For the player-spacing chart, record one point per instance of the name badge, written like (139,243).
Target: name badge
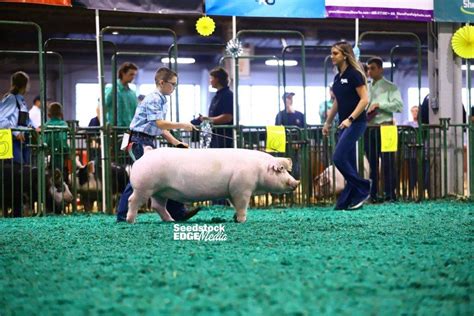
(344,80)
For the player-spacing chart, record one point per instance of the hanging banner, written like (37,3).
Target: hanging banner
(47,2)
(267,8)
(276,139)
(403,10)
(6,144)
(148,6)
(389,138)
(454,10)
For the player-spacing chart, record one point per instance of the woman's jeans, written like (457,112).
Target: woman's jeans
(357,188)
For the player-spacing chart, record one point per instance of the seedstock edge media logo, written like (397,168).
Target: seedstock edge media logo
(199,232)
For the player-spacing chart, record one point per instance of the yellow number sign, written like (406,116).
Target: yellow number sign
(276,139)
(389,138)
(6,145)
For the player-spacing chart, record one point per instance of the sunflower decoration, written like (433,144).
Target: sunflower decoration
(463,42)
(205,26)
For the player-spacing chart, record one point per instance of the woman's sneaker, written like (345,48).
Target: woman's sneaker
(358,205)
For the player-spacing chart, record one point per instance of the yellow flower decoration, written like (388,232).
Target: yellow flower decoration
(205,26)
(463,42)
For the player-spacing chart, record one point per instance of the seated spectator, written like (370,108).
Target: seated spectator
(57,139)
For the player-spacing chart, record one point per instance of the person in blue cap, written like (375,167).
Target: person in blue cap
(289,116)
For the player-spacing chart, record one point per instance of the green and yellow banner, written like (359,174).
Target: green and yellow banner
(454,10)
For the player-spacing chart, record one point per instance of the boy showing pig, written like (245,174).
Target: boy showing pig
(149,122)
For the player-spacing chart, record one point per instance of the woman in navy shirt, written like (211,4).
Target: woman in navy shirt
(350,90)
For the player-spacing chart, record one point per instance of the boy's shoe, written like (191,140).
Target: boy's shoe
(191,213)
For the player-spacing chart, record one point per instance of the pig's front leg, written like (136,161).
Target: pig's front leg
(240,200)
(159,204)
(135,200)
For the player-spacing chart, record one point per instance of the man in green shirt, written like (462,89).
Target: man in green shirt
(126,97)
(384,100)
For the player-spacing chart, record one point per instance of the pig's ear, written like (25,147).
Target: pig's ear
(286,163)
(290,164)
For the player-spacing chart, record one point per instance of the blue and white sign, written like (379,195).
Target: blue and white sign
(267,8)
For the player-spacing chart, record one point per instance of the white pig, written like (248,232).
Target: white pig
(189,175)
(331,178)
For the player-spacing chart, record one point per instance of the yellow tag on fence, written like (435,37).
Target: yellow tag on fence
(389,138)
(6,144)
(276,139)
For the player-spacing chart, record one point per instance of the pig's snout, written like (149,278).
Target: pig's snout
(293,184)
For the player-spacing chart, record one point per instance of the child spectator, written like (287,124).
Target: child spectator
(56,139)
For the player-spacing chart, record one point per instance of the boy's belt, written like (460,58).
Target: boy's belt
(142,135)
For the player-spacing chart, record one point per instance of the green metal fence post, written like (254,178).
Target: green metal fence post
(444,122)
(72,129)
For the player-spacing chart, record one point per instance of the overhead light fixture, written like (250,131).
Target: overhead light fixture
(274,62)
(464,67)
(115,33)
(181,60)
(386,64)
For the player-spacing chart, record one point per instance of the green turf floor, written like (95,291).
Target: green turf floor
(392,259)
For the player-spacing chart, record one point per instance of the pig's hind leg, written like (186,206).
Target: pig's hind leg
(135,200)
(159,204)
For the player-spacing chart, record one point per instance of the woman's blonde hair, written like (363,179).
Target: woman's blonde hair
(346,49)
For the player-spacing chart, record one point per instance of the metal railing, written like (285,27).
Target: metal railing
(440,171)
